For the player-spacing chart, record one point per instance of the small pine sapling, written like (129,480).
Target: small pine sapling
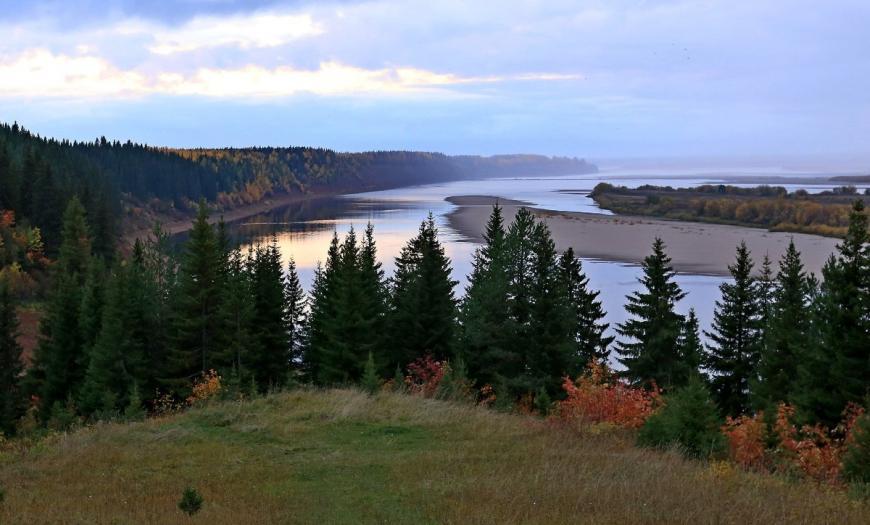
(191,501)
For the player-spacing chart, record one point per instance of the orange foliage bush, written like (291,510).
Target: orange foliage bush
(598,396)
(813,451)
(205,388)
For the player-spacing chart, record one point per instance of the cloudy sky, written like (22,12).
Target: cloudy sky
(608,78)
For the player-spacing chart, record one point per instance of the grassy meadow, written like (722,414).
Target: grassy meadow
(340,456)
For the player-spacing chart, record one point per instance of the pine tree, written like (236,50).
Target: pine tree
(60,360)
(654,353)
(588,314)
(11,394)
(736,337)
(423,314)
(486,332)
(786,334)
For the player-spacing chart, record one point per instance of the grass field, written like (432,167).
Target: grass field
(340,456)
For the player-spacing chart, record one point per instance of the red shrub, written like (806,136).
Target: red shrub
(598,396)
(814,451)
(425,375)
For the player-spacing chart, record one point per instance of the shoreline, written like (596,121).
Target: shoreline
(174,226)
(694,247)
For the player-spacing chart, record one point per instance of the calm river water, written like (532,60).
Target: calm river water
(305,229)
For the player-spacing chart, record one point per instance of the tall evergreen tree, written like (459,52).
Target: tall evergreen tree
(239,315)
(271,364)
(787,332)
(651,352)
(423,314)
(736,337)
(322,318)
(374,295)
(520,270)
(691,348)
(551,354)
(588,315)
(196,317)
(60,360)
(836,369)
(11,395)
(296,319)
(117,359)
(486,331)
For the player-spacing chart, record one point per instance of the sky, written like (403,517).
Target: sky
(778,79)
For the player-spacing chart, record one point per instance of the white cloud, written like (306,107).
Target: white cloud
(247,31)
(39,73)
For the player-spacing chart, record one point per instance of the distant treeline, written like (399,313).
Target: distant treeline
(117,182)
(771,207)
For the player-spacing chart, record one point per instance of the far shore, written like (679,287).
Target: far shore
(697,248)
(175,225)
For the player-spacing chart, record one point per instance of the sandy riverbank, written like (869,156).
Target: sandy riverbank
(694,247)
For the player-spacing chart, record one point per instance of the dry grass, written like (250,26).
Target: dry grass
(340,456)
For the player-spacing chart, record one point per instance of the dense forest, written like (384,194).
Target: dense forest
(772,207)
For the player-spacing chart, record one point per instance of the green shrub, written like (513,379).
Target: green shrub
(191,501)
(370,382)
(856,460)
(689,420)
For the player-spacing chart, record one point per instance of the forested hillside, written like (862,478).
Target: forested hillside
(126,186)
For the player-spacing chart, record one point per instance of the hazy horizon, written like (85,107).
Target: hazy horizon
(783,83)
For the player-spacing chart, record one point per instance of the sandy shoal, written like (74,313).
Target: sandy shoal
(698,248)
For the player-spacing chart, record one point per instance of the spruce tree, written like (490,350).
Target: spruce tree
(691,348)
(787,333)
(736,337)
(836,368)
(374,296)
(12,399)
(423,313)
(486,331)
(322,315)
(587,313)
(271,363)
(651,351)
(117,357)
(520,272)
(295,317)
(239,314)
(196,312)
(60,359)
(551,354)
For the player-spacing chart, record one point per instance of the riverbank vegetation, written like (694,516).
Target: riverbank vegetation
(769,207)
(780,387)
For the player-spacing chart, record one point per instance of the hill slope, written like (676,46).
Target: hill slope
(340,456)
